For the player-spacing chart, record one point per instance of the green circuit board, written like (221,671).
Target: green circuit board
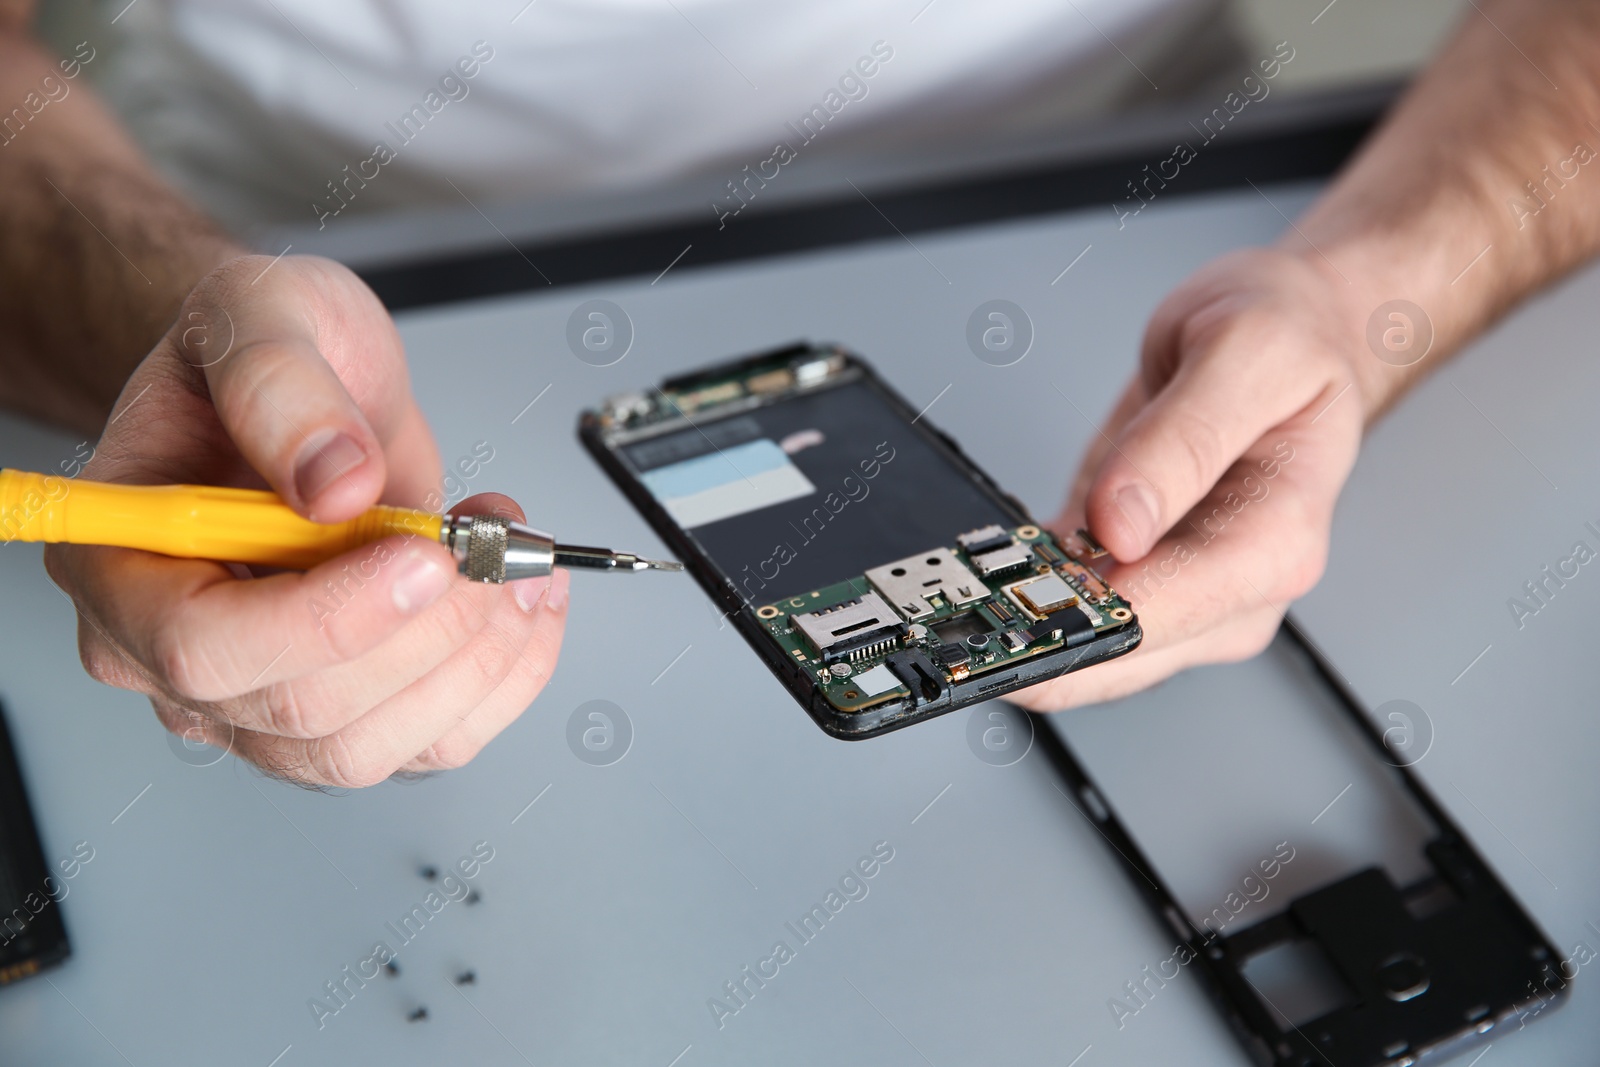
(992,597)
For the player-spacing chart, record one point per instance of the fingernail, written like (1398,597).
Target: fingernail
(556,600)
(1137,503)
(421,581)
(528,591)
(325,459)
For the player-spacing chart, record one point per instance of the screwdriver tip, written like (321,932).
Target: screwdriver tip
(661,564)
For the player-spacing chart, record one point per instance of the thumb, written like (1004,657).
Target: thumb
(276,395)
(1170,455)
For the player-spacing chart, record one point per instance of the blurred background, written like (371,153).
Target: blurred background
(1200,50)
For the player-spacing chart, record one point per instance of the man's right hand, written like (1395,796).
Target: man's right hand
(291,376)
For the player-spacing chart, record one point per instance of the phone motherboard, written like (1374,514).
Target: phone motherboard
(913,626)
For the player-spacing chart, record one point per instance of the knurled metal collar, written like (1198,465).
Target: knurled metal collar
(486,548)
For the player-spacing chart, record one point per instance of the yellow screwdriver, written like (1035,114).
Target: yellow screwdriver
(255,526)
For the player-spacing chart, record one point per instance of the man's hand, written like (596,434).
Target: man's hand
(290,375)
(1213,483)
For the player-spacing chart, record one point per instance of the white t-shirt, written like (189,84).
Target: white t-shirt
(286,110)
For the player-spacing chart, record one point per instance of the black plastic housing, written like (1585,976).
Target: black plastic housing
(1482,962)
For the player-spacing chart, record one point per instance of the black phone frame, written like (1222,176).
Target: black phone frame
(1348,919)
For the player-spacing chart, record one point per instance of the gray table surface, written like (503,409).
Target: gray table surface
(622,897)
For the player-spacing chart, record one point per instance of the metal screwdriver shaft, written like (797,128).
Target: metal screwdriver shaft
(603,559)
(489,548)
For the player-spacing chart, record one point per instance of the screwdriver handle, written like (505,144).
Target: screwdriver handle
(195,521)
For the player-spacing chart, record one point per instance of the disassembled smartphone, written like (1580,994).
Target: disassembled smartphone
(878,572)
